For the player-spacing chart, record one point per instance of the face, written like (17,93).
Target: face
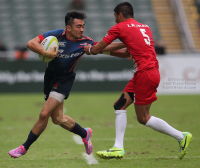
(117,18)
(76,30)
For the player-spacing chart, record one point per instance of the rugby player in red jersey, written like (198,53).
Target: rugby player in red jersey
(141,89)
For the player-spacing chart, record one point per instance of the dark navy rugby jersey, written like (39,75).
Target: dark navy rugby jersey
(68,54)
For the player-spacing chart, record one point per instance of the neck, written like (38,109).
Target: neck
(124,19)
(70,37)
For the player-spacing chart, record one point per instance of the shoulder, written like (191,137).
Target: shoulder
(86,38)
(60,32)
(56,33)
(114,29)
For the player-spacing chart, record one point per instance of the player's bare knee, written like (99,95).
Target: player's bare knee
(142,120)
(124,101)
(120,102)
(44,115)
(57,117)
(56,120)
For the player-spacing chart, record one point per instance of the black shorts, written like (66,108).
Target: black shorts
(58,83)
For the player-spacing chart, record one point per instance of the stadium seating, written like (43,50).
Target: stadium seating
(22,20)
(169,26)
(166,21)
(192,16)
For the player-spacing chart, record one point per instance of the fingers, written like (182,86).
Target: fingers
(56,51)
(86,49)
(52,53)
(53,49)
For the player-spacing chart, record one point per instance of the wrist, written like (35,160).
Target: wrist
(89,50)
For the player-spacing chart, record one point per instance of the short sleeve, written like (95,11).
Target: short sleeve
(95,43)
(113,34)
(91,41)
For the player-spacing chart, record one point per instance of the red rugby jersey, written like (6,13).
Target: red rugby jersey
(137,38)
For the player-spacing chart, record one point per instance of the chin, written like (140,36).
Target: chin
(79,37)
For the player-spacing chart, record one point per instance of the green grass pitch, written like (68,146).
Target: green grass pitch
(56,147)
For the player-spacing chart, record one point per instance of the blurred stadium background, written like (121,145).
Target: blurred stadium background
(175,26)
(175,22)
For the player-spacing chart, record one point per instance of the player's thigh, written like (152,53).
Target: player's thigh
(50,105)
(59,118)
(58,112)
(124,101)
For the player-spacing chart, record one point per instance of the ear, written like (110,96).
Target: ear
(68,28)
(121,16)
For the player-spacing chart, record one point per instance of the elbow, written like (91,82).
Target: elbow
(28,44)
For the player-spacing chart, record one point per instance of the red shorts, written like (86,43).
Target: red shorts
(144,86)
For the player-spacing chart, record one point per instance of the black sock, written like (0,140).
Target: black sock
(31,138)
(79,131)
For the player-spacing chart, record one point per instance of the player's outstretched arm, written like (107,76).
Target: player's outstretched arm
(34,45)
(114,46)
(99,48)
(121,53)
(95,49)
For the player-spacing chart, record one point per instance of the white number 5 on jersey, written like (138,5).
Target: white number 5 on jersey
(146,37)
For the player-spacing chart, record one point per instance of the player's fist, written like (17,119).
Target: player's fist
(86,49)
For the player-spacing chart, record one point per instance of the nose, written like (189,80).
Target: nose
(82,29)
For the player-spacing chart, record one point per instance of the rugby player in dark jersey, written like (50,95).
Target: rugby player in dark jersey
(59,78)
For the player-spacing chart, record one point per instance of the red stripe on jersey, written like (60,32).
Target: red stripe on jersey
(41,37)
(95,43)
(64,32)
(86,37)
(72,69)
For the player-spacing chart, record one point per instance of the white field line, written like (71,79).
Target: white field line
(109,139)
(89,158)
(140,139)
(77,139)
(126,158)
(160,157)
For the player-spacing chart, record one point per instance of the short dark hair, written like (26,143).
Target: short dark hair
(70,16)
(125,8)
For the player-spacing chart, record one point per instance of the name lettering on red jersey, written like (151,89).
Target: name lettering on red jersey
(133,25)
